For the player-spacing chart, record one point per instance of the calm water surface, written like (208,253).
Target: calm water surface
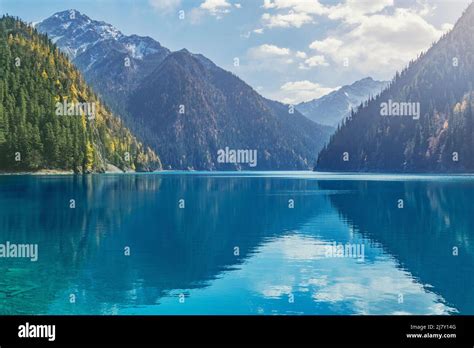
(237,247)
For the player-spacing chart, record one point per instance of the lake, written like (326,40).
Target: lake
(238,243)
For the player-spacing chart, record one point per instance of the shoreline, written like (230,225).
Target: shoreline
(41,172)
(51,172)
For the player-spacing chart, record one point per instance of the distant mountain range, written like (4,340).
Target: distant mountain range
(181,104)
(332,108)
(423,122)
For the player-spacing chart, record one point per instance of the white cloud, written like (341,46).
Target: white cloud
(266,51)
(447,27)
(299,91)
(165,5)
(375,36)
(325,45)
(291,13)
(301,54)
(380,43)
(315,61)
(286,20)
(353,11)
(258,31)
(300,6)
(351,14)
(268,4)
(216,7)
(269,59)
(296,13)
(275,58)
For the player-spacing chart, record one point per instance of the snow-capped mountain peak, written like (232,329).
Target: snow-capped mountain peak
(332,108)
(100,49)
(75,33)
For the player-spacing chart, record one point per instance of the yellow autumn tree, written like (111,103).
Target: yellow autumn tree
(73,90)
(51,61)
(83,122)
(89,157)
(111,146)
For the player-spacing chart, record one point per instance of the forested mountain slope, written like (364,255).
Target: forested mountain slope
(50,118)
(439,139)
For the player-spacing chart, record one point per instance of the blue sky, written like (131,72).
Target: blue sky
(288,50)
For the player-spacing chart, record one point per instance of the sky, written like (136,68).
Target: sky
(288,50)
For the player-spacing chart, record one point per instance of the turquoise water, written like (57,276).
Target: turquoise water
(237,247)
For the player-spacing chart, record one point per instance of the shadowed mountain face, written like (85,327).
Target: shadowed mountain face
(182,104)
(219,110)
(332,108)
(423,122)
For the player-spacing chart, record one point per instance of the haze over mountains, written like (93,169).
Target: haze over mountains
(440,85)
(182,104)
(332,108)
